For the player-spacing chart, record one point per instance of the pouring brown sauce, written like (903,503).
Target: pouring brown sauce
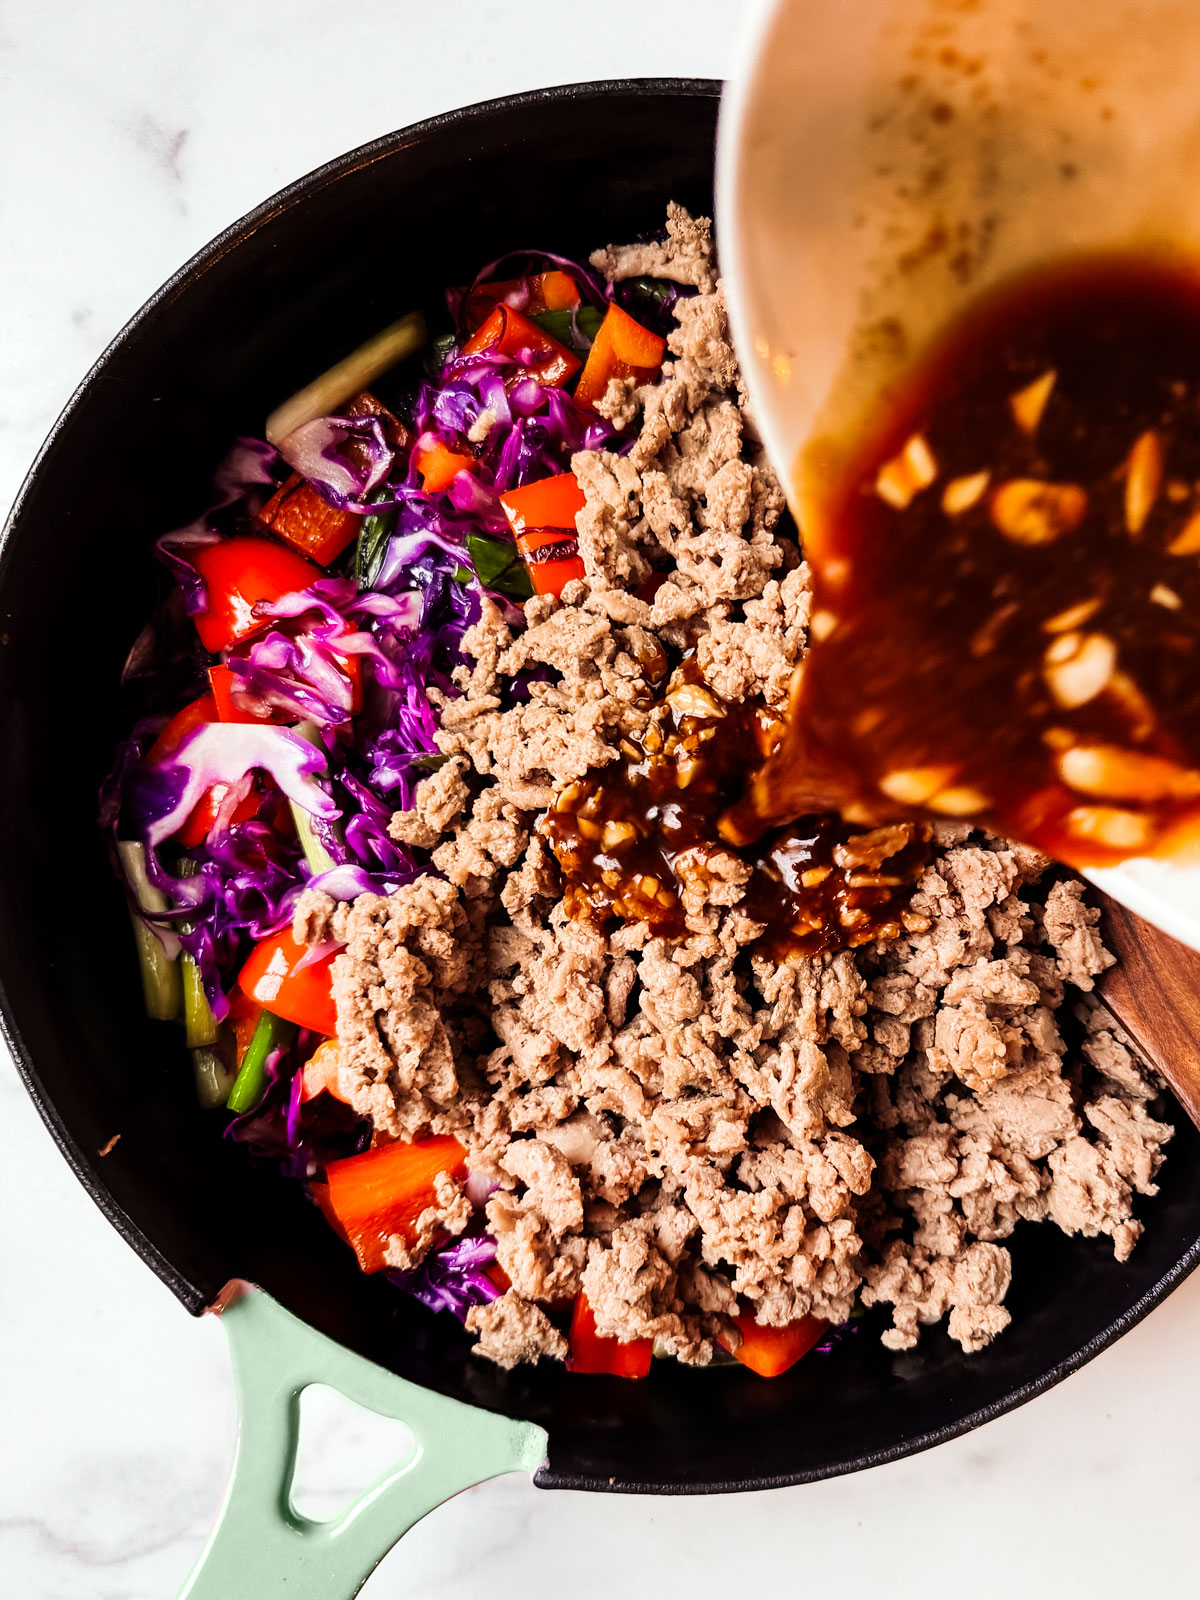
(639,839)
(1007,580)
(1006,630)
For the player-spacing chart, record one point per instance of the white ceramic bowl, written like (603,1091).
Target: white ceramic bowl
(880,162)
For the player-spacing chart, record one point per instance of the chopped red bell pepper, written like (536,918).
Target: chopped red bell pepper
(542,517)
(552,577)
(621,349)
(370,1197)
(198,826)
(592,1353)
(352,667)
(548,291)
(507,332)
(196,829)
(499,1277)
(297,514)
(238,574)
(548,503)
(771,1351)
(221,681)
(549,573)
(439,466)
(196,715)
(302,994)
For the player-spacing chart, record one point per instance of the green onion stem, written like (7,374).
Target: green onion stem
(202,1027)
(373,535)
(214,1076)
(315,852)
(326,394)
(162,986)
(250,1085)
(558,325)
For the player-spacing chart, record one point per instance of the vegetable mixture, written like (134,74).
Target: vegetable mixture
(475,647)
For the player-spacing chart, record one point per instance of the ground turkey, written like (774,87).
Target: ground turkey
(680,1127)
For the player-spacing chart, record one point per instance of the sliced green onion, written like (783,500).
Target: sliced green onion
(373,536)
(162,986)
(436,355)
(650,291)
(578,333)
(351,375)
(250,1085)
(499,566)
(202,1027)
(315,852)
(214,1077)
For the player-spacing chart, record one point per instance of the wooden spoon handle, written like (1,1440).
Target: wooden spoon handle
(1154,993)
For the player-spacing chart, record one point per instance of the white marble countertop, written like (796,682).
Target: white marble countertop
(130,133)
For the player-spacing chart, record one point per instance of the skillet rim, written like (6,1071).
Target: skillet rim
(86,1165)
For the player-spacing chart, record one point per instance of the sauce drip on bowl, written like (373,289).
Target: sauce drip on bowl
(1007,581)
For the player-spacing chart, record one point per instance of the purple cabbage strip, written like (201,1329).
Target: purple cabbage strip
(834,1337)
(452,1279)
(316,451)
(655,313)
(299,1137)
(249,892)
(160,798)
(535,433)
(295,674)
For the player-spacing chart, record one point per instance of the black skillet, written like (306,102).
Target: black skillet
(278,296)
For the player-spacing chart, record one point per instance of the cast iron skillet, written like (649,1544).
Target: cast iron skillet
(276,298)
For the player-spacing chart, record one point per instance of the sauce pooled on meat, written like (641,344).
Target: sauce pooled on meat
(633,837)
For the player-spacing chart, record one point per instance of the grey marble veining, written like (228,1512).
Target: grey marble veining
(130,133)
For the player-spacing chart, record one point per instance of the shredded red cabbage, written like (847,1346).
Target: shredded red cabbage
(301,669)
(159,798)
(453,1278)
(651,301)
(300,1137)
(358,664)
(316,451)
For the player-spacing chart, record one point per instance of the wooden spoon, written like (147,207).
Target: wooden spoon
(1154,993)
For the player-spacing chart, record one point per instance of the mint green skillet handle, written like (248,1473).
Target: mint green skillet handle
(260,1548)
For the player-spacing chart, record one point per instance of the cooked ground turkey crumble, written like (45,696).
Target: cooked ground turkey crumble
(675,1125)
